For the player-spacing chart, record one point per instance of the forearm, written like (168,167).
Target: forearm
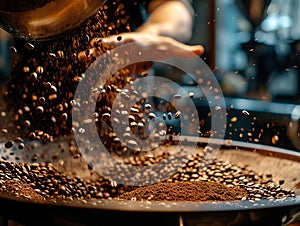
(169,18)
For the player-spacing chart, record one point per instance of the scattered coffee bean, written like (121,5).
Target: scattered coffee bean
(152,115)
(13,50)
(9,144)
(29,46)
(177,115)
(169,115)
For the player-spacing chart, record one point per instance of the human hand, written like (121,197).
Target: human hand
(148,41)
(145,41)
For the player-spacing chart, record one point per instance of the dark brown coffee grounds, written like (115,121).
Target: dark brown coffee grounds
(185,191)
(21,190)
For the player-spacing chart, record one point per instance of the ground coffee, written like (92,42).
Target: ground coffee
(18,189)
(185,191)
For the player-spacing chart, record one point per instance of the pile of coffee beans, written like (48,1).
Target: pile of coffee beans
(52,184)
(258,186)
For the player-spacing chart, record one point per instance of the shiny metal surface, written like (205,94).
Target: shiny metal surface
(116,212)
(51,19)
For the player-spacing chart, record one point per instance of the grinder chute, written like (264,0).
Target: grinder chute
(43,19)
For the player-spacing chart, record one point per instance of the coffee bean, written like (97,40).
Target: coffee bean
(9,144)
(39,109)
(134,110)
(34,76)
(131,118)
(177,96)
(26,69)
(52,55)
(177,115)
(151,116)
(29,46)
(169,115)
(21,145)
(164,116)
(90,166)
(40,70)
(119,38)
(13,50)
(60,54)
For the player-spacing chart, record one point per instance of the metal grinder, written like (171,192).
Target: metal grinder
(43,19)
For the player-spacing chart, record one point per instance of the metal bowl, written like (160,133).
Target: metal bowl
(281,163)
(42,21)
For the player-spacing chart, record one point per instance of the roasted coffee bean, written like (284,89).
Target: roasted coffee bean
(29,46)
(177,115)
(191,94)
(152,115)
(164,116)
(40,70)
(26,69)
(21,145)
(34,76)
(52,55)
(39,109)
(9,144)
(169,115)
(148,106)
(60,54)
(177,96)
(13,50)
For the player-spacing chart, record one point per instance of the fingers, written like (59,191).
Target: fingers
(198,49)
(102,45)
(107,43)
(183,49)
(118,40)
(112,42)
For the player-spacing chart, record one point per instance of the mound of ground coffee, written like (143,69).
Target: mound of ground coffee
(185,191)
(20,190)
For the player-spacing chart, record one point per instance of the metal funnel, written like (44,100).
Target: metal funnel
(44,19)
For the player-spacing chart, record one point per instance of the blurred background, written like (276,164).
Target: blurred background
(5,58)
(253,46)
